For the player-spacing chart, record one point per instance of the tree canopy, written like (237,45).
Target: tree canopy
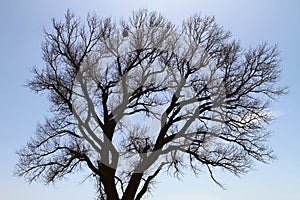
(137,97)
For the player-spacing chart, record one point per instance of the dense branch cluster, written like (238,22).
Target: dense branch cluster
(134,98)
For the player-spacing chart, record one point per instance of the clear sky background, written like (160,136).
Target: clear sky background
(250,21)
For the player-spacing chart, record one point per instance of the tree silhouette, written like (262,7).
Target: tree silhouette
(143,96)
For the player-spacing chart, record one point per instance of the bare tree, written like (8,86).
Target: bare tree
(143,96)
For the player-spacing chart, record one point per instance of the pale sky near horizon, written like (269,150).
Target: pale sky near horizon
(250,21)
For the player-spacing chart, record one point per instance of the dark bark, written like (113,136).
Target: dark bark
(108,180)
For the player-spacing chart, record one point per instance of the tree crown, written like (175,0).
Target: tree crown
(134,98)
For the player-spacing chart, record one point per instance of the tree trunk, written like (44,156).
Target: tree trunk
(132,187)
(108,176)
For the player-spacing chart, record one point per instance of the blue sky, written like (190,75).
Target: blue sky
(275,21)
